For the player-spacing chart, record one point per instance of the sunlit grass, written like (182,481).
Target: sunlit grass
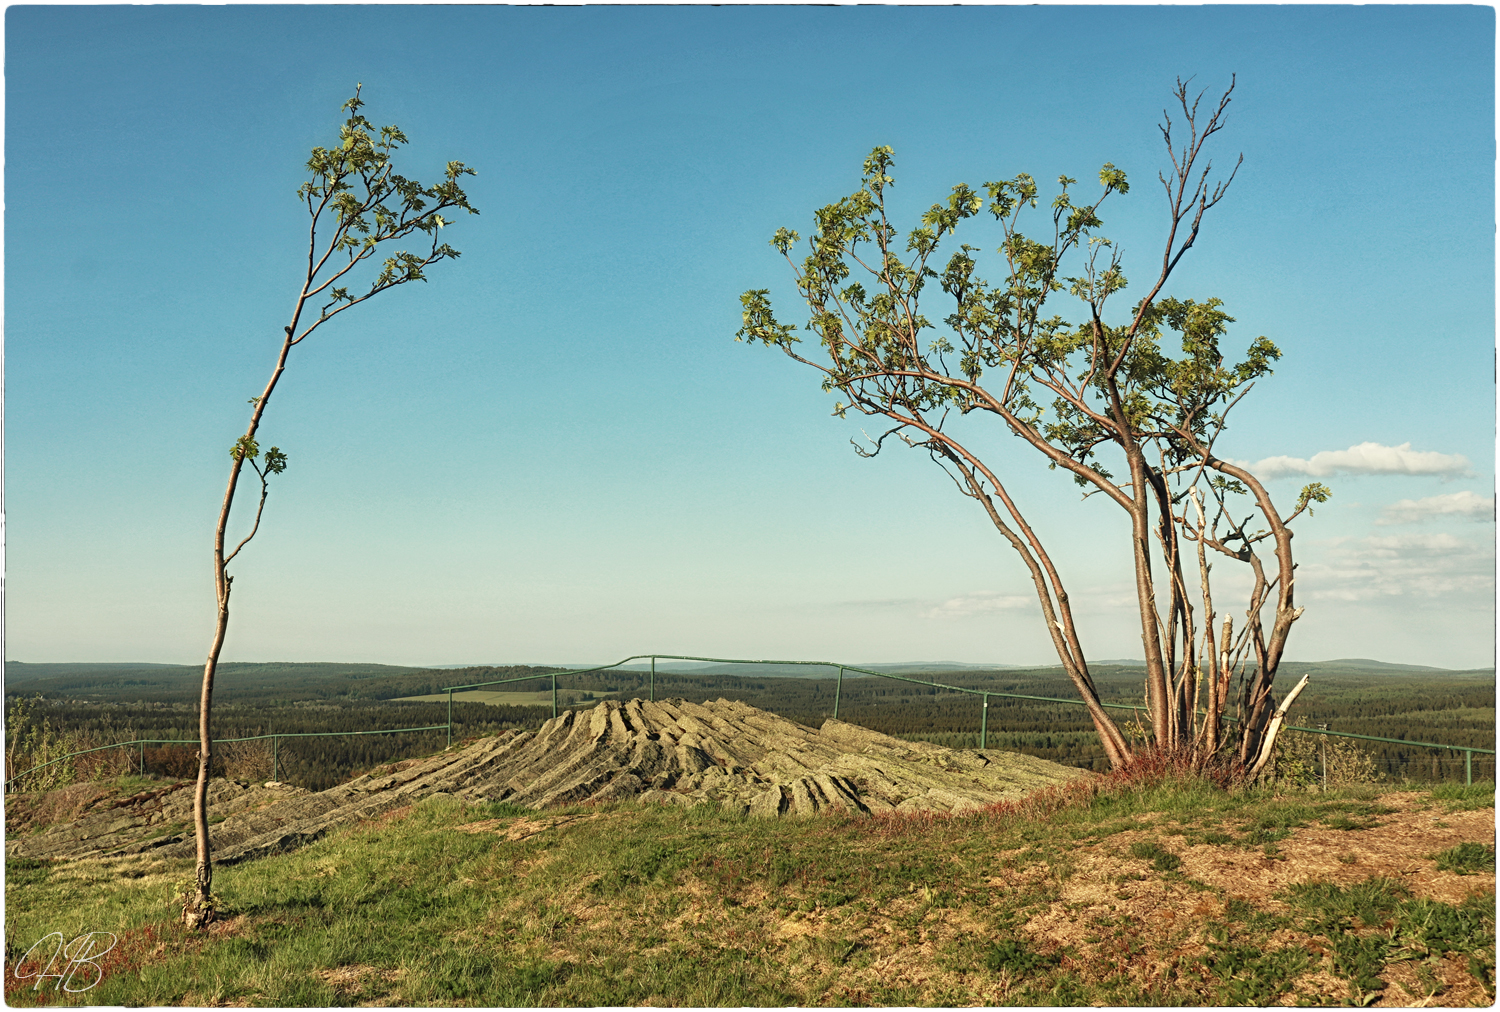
(446,903)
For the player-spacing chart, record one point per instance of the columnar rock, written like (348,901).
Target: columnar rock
(667,752)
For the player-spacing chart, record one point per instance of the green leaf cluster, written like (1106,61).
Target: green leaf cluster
(1160,379)
(246,448)
(370,204)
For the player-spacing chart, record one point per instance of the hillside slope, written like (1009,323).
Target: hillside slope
(1096,893)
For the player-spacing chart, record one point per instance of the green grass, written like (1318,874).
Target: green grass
(1253,975)
(1017,957)
(1160,858)
(1466,798)
(639,905)
(1346,823)
(1372,922)
(1334,908)
(1438,928)
(1466,858)
(1277,824)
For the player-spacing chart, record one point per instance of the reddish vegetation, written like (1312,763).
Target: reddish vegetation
(131,950)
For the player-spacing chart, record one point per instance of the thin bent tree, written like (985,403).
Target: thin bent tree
(359,208)
(1075,393)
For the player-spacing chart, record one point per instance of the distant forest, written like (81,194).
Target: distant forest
(124,701)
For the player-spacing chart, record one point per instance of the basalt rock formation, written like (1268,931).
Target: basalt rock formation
(667,752)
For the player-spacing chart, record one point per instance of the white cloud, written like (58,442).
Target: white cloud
(1460,505)
(1365,458)
(1411,565)
(867,604)
(979,603)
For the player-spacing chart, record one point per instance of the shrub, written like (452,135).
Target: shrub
(1299,758)
(242,760)
(176,762)
(31,742)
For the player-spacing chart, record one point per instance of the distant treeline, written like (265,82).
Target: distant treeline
(313,762)
(249,684)
(130,701)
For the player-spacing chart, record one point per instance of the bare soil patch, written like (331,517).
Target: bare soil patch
(1110,901)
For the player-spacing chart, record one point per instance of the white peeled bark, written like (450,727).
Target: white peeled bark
(1272,729)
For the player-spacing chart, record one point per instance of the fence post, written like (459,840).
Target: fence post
(653,679)
(276,759)
(1323,749)
(143,758)
(554,694)
(450,717)
(837,691)
(1468,767)
(984,722)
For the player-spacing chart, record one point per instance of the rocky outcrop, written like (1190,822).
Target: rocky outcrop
(148,821)
(668,752)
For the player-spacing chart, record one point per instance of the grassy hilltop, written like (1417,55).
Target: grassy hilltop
(1172,893)
(1159,892)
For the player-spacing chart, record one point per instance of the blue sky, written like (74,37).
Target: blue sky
(555,450)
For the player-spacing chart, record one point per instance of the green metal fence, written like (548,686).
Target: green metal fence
(984,710)
(984,694)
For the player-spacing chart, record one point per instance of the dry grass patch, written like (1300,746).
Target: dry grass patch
(25,813)
(1423,984)
(513,830)
(354,980)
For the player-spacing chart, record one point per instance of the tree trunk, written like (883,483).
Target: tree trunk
(1269,744)
(200,911)
(1045,579)
(1145,591)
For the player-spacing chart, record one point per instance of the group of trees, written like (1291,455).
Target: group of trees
(1101,397)
(263,684)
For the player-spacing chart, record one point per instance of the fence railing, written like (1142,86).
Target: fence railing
(553,676)
(984,694)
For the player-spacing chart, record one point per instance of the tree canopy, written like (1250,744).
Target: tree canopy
(1131,409)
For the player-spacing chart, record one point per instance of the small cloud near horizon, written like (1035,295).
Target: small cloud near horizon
(1364,458)
(1460,505)
(978,603)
